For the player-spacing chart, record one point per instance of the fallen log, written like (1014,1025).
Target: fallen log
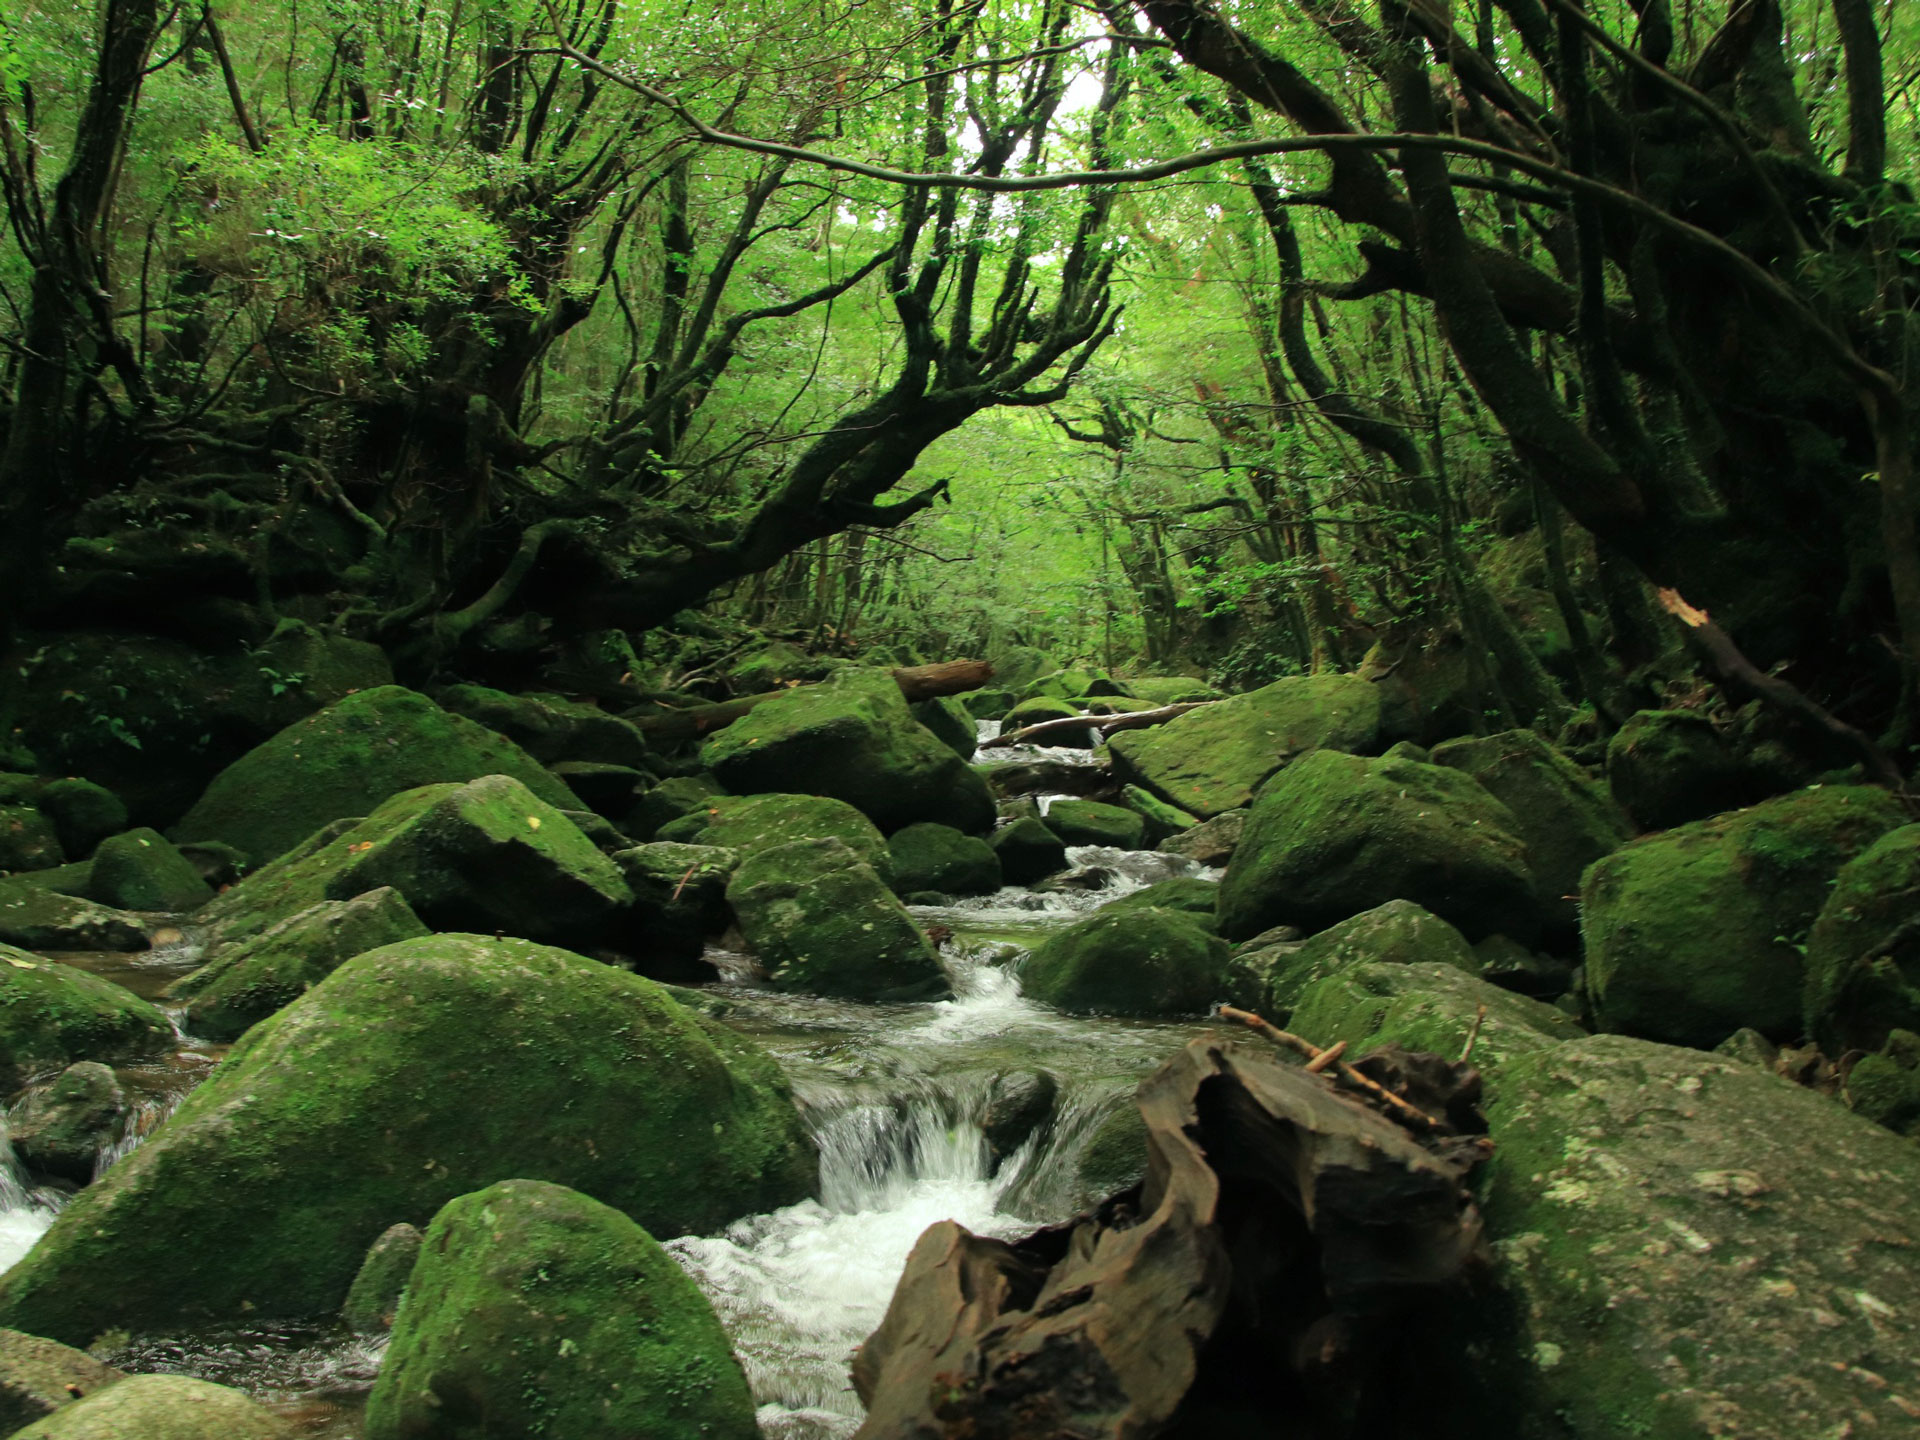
(1282,1270)
(1105,724)
(916,682)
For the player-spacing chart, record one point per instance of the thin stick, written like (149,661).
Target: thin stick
(1326,1057)
(1479,1018)
(689,875)
(1314,1052)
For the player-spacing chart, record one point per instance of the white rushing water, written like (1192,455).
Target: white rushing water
(25,1213)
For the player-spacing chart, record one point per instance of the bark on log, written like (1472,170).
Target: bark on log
(1276,1263)
(916,682)
(1105,724)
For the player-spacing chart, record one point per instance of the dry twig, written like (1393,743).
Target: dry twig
(1413,1114)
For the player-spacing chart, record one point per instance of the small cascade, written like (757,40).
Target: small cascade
(1078,756)
(25,1212)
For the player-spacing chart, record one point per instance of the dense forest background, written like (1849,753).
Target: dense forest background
(1244,341)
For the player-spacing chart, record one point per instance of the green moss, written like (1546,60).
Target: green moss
(550,728)
(1163,820)
(851,739)
(1028,851)
(52,1015)
(1115,1156)
(28,840)
(374,1298)
(346,760)
(82,812)
(1134,962)
(939,858)
(38,919)
(1088,822)
(1695,932)
(536,1311)
(749,824)
(1397,933)
(1187,895)
(1669,767)
(40,1376)
(160,1407)
(949,723)
(1885,1092)
(1853,1002)
(1211,760)
(1336,834)
(141,870)
(412,1074)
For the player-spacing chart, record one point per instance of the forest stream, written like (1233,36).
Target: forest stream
(897,1096)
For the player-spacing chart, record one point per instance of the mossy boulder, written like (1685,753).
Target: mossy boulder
(487,855)
(38,1377)
(988,704)
(929,857)
(1018,666)
(1882,1089)
(1693,933)
(550,728)
(1185,894)
(250,981)
(1088,822)
(62,1129)
(412,1074)
(52,1015)
(536,1310)
(821,921)
(1694,1248)
(1566,819)
(140,870)
(1669,767)
(1028,851)
(160,1407)
(657,806)
(853,739)
(346,760)
(82,812)
(949,723)
(777,664)
(1862,969)
(374,1297)
(1064,684)
(28,840)
(1396,933)
(40,919)
(1164,821)
(1428,1007)
(1158,690)
(1133,962)
(748,824)
(1115,1154)
(1211,842)
(1212,760)
(1337,834)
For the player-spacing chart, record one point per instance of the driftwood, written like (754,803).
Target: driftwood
(1105,724)
(1276,1273)
(916,682)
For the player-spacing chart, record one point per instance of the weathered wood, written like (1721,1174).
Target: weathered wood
(916,682)
(1105,724)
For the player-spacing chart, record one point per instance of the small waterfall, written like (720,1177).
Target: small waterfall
(25,1213)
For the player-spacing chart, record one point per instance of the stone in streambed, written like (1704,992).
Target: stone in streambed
(1135,962)
(374,1298)
(63,1129)
(27,840)
(348,759)
(938,858)
(37,919)
(1164,821)
(679,899)
(749,824)
(1862,964)
(412,1074)
(1670,767)
(1188,895)
(1691,933)
(486,855)
(38,1377)
(140,870)
(160,1407)
(1397,933)
(534,1309)
(1088,822)
(52,1015)
(1019,1103)
(250,981)
(821,921)
(1211,842)
(853,739)
(948,721)
(1337,834)
(82,812)
(1028,851)
(1041,709)
(550,728)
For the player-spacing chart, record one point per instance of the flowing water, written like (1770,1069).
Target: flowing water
(899,1097)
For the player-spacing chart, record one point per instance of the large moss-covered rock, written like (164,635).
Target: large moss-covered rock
(35,918)
(1130,962)
(38,1377)
(1862,968)
(949,723)
(535,1310)
(1212,760)
(52,1015)
(160,1407)
(1667,767)
(1028,851)
(854,739)
(82,812)
(1692,933)
(347,760)
(821,921)
(141,870)
(679,899)
(62,1129)
(1695,1248)
(1167,689)
(660,805)
(1018,666)
(550,728)
(1336,834)
(1428,1007)
(1212,842)
(412,1074)
(374,1297)
(1396,933)
(929,857)
(1187,894)
(1088,822)
(28,840)
(748,824)
(1565,818)
(1163,820)
(487,855)
(250,981)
